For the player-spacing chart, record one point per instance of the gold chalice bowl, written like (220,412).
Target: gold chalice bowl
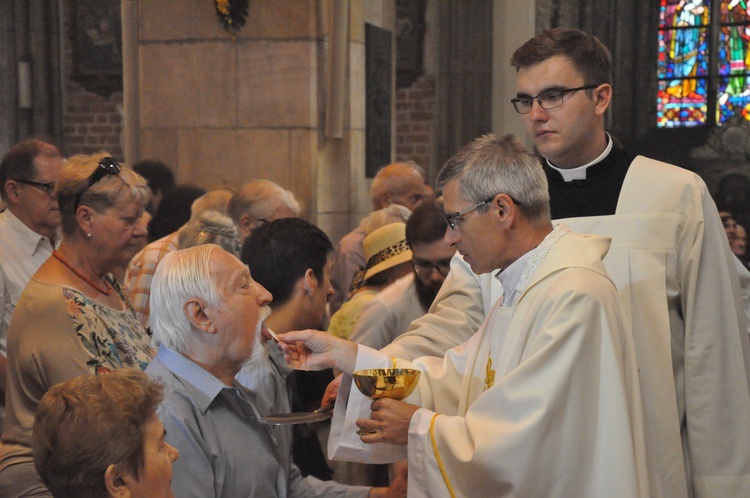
(394,383)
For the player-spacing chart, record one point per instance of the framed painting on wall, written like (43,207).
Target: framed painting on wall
(96,33)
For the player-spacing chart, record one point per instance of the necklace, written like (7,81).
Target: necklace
(80,275)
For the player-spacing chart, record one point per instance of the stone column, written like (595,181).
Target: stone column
(130,88)
(225,112)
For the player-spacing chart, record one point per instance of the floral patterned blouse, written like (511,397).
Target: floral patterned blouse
(57,333)
(115,339)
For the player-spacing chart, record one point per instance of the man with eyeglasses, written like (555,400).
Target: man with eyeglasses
(389,314)
(28,227)
(401,184)
(544,399)
(669,259)
(140,270)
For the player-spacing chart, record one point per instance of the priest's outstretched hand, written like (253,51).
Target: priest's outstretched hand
(315,350)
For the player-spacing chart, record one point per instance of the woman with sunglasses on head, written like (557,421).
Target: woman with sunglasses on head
(73,318)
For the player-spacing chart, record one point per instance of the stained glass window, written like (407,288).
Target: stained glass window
(734,84)
(703,75)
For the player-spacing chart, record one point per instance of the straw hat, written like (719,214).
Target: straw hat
(385,248)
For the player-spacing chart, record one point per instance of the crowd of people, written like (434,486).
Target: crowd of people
(579,322)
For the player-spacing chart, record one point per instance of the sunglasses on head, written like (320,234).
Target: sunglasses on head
(107,166)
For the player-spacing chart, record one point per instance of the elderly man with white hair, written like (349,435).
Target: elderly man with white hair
(141,268)
(207,316)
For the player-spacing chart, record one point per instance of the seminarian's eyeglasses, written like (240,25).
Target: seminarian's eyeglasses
(547,100)
(107,166)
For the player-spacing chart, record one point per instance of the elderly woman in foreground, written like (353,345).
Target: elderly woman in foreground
(72,318)
(98,436)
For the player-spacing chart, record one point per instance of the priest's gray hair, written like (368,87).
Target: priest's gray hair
(492,164)
(180,276)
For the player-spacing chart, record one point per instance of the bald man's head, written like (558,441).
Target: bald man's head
(398,183)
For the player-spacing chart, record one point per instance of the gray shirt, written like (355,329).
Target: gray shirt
(224,449)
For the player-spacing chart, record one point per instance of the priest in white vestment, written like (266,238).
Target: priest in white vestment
(669,259)
(544,400)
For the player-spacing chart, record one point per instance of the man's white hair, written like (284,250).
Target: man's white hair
(180,276)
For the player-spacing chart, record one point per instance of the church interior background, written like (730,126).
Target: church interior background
(316,94)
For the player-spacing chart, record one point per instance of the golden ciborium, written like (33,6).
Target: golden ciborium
(394,383)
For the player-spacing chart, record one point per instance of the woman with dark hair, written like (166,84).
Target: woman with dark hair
(160,180)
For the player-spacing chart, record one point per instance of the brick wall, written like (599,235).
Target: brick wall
(90,122)
(414,121)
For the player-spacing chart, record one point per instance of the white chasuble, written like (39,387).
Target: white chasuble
(677,279)
(555,412)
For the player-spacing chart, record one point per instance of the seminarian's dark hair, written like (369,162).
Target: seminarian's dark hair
(589,55)
(279,253)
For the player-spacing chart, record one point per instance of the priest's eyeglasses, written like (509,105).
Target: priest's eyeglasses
(547,100)
(454,219)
